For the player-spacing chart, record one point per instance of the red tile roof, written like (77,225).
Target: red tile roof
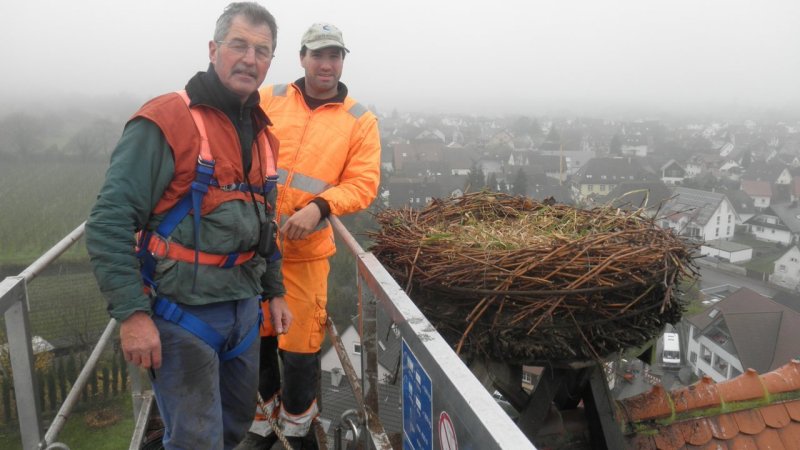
(751,411)
(757,188)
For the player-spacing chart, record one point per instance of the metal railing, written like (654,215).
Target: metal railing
(455,409)
(15,306)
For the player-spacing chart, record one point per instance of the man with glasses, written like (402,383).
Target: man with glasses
(194,174)
(329,164)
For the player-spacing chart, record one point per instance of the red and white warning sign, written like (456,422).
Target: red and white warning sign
(447,433)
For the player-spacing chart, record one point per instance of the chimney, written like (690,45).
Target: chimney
(336,376)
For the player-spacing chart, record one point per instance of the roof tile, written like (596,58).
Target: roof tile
(775,416)
(650,405)
(642,442)
(746,386)
(696,396)
(669,439)
(790,435)
(696,432)
(723,427)
(793,408)
(742,443)
(748,412)
(713,445)
(783,379)
(749,421)
(770,440)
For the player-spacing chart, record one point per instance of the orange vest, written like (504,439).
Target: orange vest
(170,113)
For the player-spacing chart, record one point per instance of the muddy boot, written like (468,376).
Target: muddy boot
(255,441)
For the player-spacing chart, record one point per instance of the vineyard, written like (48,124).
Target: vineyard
(41,202)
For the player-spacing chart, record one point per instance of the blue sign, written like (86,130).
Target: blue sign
(417,404)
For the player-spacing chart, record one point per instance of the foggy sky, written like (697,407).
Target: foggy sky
(528,56)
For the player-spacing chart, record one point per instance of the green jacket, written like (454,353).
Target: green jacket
(141,168)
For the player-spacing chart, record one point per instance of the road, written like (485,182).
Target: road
(710,277)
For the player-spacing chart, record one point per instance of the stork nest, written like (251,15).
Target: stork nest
(527,282)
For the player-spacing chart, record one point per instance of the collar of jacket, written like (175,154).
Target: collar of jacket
(205,88)
(341,92)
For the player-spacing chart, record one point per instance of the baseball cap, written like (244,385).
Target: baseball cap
(322,35)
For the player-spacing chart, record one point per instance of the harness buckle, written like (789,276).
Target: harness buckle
(230,187)
(205,163)
(161,242)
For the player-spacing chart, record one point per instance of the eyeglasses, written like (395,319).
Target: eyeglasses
(240,47)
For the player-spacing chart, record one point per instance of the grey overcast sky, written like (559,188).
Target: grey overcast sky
(503,56)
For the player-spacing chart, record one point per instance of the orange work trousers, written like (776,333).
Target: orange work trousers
(307,296)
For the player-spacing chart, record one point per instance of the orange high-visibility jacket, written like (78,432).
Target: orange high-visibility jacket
(332,152)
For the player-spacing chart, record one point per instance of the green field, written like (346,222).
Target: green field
(80,432)
(41,203)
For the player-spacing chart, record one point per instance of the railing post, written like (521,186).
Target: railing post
(369,353)
(14,295)
(137,389)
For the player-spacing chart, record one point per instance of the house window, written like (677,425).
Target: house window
(527,377)
(759,229)
(728,231)
(602,177)
(705,354)
(357,348)
(793,259)
(716,232)
(729,218)
(720,365)
(693,357)
(718,220)
(781,268)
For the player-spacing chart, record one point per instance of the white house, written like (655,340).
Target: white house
(672,172)
(388,350)
(699,214)
(759,191)
(742,331)
(779,223)
(787,269)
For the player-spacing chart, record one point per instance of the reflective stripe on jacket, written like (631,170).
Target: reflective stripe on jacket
(332,152)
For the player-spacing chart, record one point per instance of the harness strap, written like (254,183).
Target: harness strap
(161,248)
(171,312)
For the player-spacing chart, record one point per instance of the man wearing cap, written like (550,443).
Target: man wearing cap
(329,163)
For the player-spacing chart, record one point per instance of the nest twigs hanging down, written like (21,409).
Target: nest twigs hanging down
(526,281)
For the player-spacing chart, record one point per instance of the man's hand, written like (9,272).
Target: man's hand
(141,343)
(280,315)
(302,222)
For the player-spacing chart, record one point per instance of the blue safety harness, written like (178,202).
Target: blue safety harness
(164,307)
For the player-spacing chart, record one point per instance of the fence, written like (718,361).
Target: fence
(57,378)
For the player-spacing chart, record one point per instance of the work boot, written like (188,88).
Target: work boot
(307,442)
(255,441)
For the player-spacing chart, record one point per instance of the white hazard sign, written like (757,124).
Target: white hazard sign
(447,433)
